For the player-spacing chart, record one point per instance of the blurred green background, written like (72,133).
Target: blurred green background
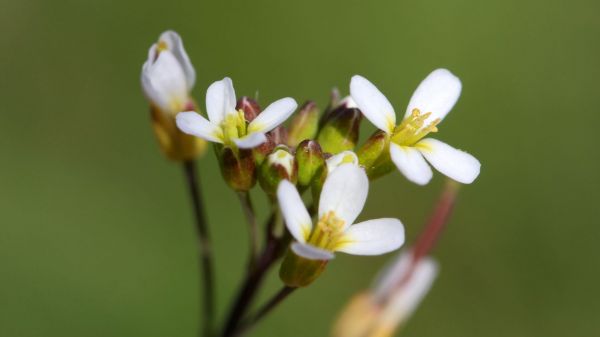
(96,236)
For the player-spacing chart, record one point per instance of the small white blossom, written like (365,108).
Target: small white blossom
(227,125)
(342,198)
(168,75)
(402,288)
(429,104)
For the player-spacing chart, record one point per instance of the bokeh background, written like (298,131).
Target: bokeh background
(96,236)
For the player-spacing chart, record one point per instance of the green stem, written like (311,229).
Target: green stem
(204,247)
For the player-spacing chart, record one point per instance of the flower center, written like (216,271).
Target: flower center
(328,232)
(234,126)
(413,128)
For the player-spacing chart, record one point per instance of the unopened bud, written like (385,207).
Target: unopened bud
(237,168)
(340,128)
(279,135)
(304,125)
(249,106)
(279,165)
(374,155)
(310,162)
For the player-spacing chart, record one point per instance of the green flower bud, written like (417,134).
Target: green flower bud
(311,163)
(339,130)
(237,167)
(278,165)
(297,271)
(374,155)
(304,125)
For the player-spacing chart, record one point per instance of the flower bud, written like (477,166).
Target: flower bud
(237,167)
(167,80)
(279,135)
(310,162)
(374,155)
(304,125)
(339,130)
(249,106)
(279,165)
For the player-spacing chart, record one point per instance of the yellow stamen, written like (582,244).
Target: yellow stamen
(328,232)
(234,127)
(413,128)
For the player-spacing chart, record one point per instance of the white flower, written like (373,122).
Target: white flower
(401,290)
(168,75)
(227,125)
(342,199)
(397,294)
(429,104)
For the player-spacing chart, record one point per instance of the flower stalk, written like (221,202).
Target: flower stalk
(204,247)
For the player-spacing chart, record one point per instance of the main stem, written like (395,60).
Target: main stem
(204,246)
(250,215)
(254,279)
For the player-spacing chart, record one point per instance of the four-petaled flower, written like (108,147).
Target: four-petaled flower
(429,104)
(228,126)
(342,199)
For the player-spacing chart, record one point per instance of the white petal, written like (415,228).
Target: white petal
(164,82)
(175,45)
(436,94)
(372,103)
(220,100)
(411,163)
(297,219)
(283,159)
(194,124)
(311,252)
(373,237)
(453,163)
(275,114)
(343,157)
(404,300)
(392,275)
(251,141)
(344,193)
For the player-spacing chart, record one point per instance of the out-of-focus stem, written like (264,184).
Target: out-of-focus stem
(438,220)
(204,246)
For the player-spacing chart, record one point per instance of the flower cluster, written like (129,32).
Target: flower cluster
(317,157)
